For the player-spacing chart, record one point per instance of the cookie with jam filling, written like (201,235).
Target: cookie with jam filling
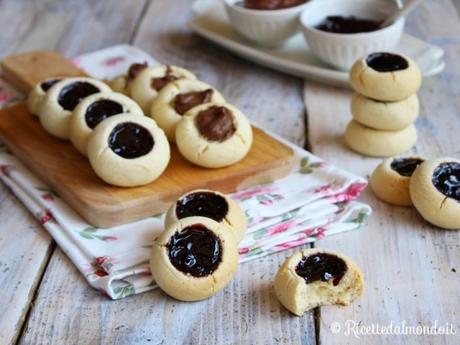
(38,93)
(316,277)
(210,204)
(435,192)
(62,99)
(128,150)
(390,180)
(385,77)
(93,110)
(176,99)
(194,258)
(214,135)
(144,87)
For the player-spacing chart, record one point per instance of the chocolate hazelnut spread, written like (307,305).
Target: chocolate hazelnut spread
(446,179)
(405,166)
(100,110)
(135,69)
(195,250)
(130,140)
(270,4)
(203,204)
(347,25)
(321,266)
(215,123)
(183,102)
(386,62)
(159,83)
(46,85)
(72,94)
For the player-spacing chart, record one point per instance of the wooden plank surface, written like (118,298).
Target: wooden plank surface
(25,250)
(411,268)
(246,312)
(45,24)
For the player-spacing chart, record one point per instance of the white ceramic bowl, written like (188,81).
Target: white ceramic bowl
(342,50)
(266,27)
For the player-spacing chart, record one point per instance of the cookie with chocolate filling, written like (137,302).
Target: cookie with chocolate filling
(316,277)
(435,192)
(214,135)
(150,80)
(38,93)
(390,180)
(93,110)
(177,98)
(128,150)
(209,204)
(389,116)
(194,258)
(62,99)
(377,143)
(385,77)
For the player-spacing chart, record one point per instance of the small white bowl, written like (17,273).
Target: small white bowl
(266,27)
(342,50)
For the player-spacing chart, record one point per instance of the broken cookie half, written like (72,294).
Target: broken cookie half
(316,277)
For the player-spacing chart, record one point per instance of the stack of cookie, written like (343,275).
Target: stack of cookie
(385,105)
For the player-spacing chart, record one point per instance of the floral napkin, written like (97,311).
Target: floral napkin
(314,201)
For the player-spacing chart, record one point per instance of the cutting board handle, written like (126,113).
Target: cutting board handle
(25,70)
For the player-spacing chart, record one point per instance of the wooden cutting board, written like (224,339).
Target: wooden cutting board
(70,175)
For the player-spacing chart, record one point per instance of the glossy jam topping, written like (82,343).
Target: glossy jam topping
(204,204)
(386,62)
(195,250)
(46,85)
(159,83)
(215,123)
(405,166)
(135,69)
(270,4)
(348,25)
(183,102)
(446,179)
(100,110)
(130,140)
(72,94)
(321,266)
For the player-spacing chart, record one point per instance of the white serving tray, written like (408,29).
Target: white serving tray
(295,57)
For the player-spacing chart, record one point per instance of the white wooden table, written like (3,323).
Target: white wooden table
(412,270)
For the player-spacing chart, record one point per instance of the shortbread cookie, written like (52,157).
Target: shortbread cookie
(95,109)
(128,150)
(61,100)
(150,80)
(390,116)
(194,258)
(177,98)
(122,83)
(316,277)
(119,84)
(376,143)
(385,77)
(214,135)
(390,180)
(209,204)
(435,192)
(38,93)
